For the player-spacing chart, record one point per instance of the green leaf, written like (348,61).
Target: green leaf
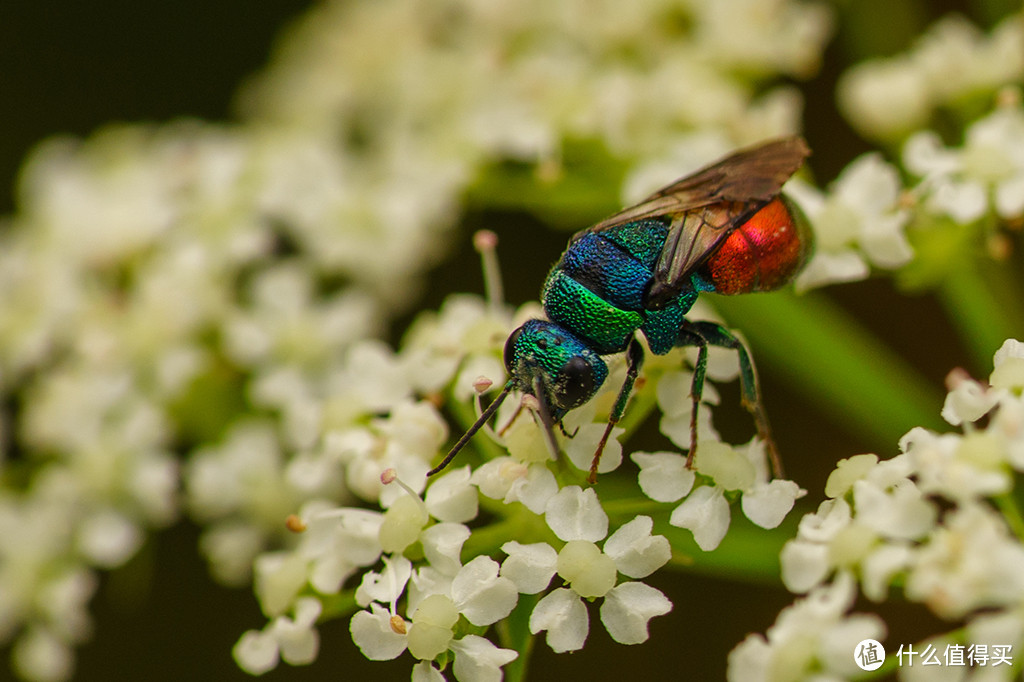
(831,359)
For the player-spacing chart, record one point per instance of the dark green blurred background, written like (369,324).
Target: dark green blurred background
(71,67)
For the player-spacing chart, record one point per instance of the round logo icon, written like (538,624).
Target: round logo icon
(869,654)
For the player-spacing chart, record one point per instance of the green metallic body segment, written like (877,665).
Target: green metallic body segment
(662,326)
(642,239)
(607,328)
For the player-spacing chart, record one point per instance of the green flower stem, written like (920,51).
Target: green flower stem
(519,523)
(831,359)
(514,633)
(985,306)
(1007,506)
(338,605)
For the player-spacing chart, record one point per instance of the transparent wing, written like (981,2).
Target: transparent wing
(706,206)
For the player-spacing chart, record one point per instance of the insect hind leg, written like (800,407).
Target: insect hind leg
(702,334)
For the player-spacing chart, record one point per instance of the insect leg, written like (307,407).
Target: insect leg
(544,412)
(634,359)
(702,334)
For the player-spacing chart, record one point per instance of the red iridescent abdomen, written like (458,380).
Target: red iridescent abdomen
(764,253)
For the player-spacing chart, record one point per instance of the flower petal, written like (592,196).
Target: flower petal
(636,552)
(576,514)
(530,567)
(452,498)
(706,514)
(564,617)
(372,633)
(628,607)
(663,475)
(478,660)
(480,594)
(256,652)
(768,503)
(442,546)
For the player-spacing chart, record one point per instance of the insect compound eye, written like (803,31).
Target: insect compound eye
(510,349)
(576,382)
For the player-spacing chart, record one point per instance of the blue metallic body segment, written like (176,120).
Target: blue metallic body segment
(597,289)
(605,268)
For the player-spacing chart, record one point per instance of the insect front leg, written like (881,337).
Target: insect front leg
(703,334)
(634,359)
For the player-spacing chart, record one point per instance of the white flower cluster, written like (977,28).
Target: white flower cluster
(985,175)
(516,78)
(953,61)
(417,591)
(938,520)
(862,220)
(214,288)
(858,223)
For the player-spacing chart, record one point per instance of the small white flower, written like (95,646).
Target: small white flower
(807,560)
(564,617)
(442,546)
(898,512)
(705,512)
(338,542)
(432,627)
(109,538)
(530,567)
(278,578)
(478,660)
(969,401)
(576,514)
(859,221)
(663,475)
(39,654)
(451,497)
(636,552)
(958,468)
(766,504)
(814,635)
(880,567)
(424,671)
(970,562)
(481,594)
(726,466)
(576,517)
(510,480)
(988,168)
(386,586)
(628,609)
(293,639)
(1008,373)
(373,632)
(403,522)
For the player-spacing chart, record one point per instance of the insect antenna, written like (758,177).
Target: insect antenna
(481,420)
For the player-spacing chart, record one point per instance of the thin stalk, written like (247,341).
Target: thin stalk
(985,308)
